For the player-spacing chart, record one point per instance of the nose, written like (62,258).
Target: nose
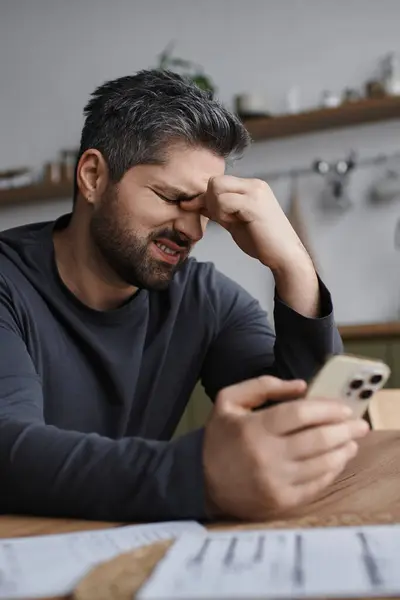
(192,224)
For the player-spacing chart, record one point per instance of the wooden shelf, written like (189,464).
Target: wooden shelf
(37,192)
(353,113)
(260,128)
(370,330)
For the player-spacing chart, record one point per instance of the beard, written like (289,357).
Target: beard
(127,253)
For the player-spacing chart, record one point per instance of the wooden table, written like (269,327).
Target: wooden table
(367,492)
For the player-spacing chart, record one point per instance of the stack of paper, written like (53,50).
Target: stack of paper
(332,562)
(51,565)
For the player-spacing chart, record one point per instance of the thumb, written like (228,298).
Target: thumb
(252,393)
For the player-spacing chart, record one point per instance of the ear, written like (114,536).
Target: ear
(92,176)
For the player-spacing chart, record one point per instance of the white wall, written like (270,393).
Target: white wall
(53,53)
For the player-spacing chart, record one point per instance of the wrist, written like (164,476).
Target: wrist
(297,286)
(294,266)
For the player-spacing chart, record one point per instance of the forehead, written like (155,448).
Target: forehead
(189,169)
(186,169)
(185,161)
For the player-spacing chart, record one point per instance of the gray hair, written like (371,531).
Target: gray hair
(133,120)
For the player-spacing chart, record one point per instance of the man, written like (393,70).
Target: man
(106,326)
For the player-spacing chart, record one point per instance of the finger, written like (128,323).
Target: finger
(228,183)
(294,416)
(331,462)
(237,185)
(195,204)
(255,392)
(231,208)
(318,440)
(227,207)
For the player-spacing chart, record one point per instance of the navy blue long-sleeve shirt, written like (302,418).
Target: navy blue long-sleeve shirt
(89,400)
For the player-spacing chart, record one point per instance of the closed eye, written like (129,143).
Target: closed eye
(178,197)
(168,200)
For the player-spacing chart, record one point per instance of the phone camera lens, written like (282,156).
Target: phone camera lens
(375,379)
(356,384)
(365,394)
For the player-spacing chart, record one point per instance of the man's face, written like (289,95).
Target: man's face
(139,226)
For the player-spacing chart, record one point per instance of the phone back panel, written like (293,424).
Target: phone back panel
(353,379)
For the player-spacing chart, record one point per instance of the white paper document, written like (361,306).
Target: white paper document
(331,562)
(51,565)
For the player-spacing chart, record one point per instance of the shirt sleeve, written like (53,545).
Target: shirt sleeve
(245,344)
(48,471)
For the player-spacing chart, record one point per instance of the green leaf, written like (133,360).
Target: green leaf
(203,82)
(181,62)
(165,55)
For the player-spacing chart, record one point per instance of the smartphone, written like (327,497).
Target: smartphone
(352,378)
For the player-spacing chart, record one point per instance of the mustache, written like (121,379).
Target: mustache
(173,236)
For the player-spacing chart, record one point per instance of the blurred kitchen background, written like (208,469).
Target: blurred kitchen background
(317,83)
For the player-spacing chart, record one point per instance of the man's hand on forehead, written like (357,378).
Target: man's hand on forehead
(248,209)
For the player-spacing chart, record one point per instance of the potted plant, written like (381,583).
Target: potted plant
(187,68)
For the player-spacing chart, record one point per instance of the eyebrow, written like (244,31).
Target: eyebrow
(176,192)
